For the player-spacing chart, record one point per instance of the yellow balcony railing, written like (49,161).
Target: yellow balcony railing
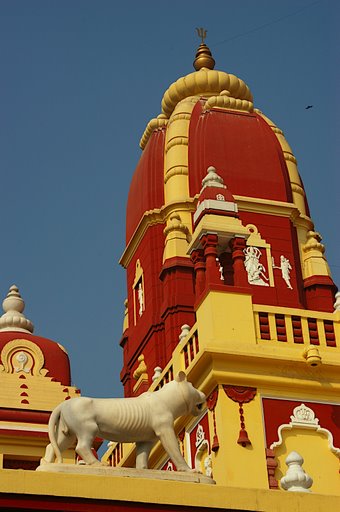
(296,326)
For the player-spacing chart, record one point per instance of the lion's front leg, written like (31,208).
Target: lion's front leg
(170,444)
(142,454)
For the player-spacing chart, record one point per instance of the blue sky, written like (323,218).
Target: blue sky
(79,81)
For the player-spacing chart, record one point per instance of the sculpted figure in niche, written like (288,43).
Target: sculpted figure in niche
(140,299)
(142,420)
(285,268)
(255,269)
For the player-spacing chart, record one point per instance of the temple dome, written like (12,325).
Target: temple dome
(16,335)
(56,360)
(225,131)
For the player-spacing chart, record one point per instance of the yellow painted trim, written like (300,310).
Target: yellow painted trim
(35,358)
(150,218)
(162,492)
(223,101)
(266,206)
(205,82)
(153,124)
(176,183)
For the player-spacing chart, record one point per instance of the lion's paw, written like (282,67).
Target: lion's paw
(99,463)
(189,470)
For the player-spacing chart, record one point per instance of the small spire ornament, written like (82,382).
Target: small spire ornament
(203,58)
(296,479)
(13,318)
(212,179)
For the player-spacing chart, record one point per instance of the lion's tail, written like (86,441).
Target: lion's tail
(53,425)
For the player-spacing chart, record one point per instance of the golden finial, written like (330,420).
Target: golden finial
(203,58)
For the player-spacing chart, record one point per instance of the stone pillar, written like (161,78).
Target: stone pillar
(212,273)
(238,244)
(197,257)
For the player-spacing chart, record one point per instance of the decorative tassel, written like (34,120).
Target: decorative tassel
(243,436)
(241,395)
(215,444)
(211,403)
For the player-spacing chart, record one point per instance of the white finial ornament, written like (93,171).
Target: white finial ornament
(296,479)
(337,302)
(13,318)
(212,179)
(185,329)
(158,372)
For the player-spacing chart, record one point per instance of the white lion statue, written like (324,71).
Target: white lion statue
(142,420)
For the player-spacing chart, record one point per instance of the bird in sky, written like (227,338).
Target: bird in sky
(309,106)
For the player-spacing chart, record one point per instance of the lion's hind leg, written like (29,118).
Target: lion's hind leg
(64,440)
(85,442)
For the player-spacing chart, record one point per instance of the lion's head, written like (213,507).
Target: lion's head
(193,398)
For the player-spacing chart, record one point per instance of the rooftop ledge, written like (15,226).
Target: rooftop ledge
(51,490)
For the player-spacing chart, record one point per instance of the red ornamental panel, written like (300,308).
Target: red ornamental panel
(181,437)
(199,439)
(211,404)
(169,466)
(241,395)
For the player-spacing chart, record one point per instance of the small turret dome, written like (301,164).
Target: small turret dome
(15,327)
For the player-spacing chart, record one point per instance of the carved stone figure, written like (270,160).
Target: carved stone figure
(220,269)
(142,420)
(208,465)
(255,269)
(140,299)
(285,268)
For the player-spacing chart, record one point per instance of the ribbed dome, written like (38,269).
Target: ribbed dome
(147,185)
(243,148)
